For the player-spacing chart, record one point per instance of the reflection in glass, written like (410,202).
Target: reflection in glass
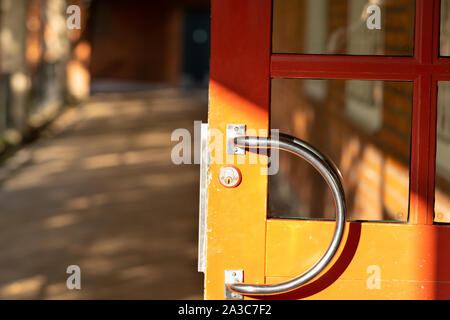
(364,127)
(442,193)
(355,27)
(445,28)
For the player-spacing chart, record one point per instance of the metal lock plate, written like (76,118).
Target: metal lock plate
(233,276)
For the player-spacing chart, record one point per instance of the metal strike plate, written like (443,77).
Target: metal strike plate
(233,276)
(233,131)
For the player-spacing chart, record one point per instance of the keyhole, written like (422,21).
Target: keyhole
(228,180)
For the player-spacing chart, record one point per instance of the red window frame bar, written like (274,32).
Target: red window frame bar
(425,68)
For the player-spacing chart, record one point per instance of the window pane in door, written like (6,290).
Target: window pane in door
(364,127)
(445,28)
(352,27)
(442,189)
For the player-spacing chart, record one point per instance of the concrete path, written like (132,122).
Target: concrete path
(100,192)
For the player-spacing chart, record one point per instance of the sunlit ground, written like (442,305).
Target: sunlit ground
(101,192)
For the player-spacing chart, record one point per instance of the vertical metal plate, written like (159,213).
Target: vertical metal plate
(233,276)
(233,131)
(203,198)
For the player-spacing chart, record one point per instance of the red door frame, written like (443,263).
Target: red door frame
(239,92)
(241,68)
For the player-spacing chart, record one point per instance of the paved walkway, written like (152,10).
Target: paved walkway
(101,192)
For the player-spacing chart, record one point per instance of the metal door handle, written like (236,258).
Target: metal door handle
(333,178)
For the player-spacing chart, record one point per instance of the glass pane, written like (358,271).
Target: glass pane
(442,191)
(445,28)
(354,27)
(364,127)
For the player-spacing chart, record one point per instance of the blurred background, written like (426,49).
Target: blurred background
(86,117)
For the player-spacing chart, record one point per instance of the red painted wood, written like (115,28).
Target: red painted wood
(352,67)
(432,151)
(241,62)
(432,142)
(420,131)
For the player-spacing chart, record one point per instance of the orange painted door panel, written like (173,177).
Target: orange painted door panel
(370,99)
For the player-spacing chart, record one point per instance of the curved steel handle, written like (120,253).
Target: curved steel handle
(333,178)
